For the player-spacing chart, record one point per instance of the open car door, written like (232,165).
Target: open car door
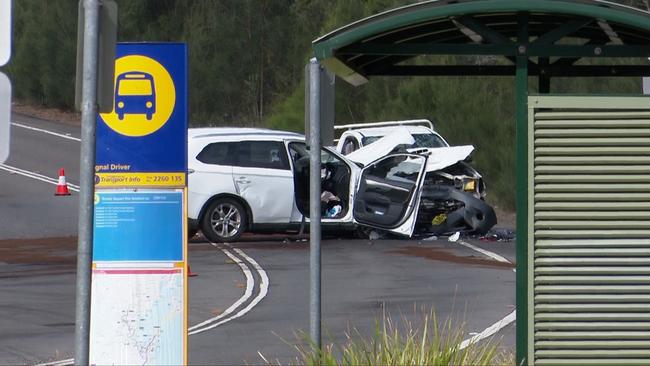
(388,193)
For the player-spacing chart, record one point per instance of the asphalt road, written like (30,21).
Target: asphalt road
(250,299)
(29,207)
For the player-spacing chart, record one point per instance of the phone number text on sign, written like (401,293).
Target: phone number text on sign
(139,179)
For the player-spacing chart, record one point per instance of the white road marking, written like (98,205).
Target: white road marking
(494,328)
(69,361)
(250,282)
(492,255)
(264,288)
(491,330)
(46,131)
(37,176)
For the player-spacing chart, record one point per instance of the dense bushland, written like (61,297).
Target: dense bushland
(246,69)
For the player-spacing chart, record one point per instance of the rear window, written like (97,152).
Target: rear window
(262,154)
(218,153)
(421,140)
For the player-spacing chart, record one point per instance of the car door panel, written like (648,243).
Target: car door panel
(388,193)
(263,178)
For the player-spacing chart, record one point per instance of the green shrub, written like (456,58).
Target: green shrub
(403,343)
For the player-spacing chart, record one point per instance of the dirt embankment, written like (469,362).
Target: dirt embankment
(47,251)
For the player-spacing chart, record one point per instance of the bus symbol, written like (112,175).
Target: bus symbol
(135,93)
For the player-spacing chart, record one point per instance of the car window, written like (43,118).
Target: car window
(219,153)
(300,150)
(421,140)
(262,154)
(350,145)
(398,168)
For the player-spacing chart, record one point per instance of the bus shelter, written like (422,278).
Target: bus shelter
(582,186)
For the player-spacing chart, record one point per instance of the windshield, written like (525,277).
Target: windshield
(421,140)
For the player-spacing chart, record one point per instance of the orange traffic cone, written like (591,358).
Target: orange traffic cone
(190,273)
(62,186)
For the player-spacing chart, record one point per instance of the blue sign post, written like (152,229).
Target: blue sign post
(139,283)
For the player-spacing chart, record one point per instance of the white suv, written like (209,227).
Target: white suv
(257,180)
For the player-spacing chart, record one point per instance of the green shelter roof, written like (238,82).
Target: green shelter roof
(387,43)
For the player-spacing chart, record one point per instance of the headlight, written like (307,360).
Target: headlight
(469,185)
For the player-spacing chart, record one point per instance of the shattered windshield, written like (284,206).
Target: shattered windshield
(421,140)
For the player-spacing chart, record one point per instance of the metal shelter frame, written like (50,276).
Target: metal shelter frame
(542,38)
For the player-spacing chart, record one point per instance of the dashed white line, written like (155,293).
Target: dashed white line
(45,131)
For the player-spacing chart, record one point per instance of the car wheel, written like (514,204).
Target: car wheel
(224,220)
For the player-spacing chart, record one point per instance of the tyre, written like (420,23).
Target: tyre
(224,220)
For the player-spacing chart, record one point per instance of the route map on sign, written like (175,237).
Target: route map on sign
(135,329)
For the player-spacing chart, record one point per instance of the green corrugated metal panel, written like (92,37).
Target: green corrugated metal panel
(589,215)
(593,335)
(593,317)
(592,307)
(592,160)
(591,224)
(541,118)
(596,353)
(591,361)
(594,326)
(592,132)
(596,234)
(598,271)
(584,123)
(589,289)
(592,169)
(591,239)
(593,150)
(593,243)
(593,178)
(623,206)
(593,141)
(605,344)
(597,187)
(590,197)
(614,252)
(600,280)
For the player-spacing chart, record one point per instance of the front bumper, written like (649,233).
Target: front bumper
(445,210)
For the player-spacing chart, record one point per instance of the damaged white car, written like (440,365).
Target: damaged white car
(257,180)
(453,193)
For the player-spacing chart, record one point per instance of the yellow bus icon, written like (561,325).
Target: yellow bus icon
(135,93)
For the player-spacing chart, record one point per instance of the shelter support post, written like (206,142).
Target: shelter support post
(314,204)
(544,81)
(521,81)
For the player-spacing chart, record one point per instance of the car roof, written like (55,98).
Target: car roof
(209,132)
(382,131)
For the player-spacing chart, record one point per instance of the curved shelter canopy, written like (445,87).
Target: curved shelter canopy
(388,43)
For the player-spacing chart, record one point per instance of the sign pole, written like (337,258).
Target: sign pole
(314,204)
(87,175)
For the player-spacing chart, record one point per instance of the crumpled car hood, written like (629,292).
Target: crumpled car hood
(381,147)
(442,157)
(439,157)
